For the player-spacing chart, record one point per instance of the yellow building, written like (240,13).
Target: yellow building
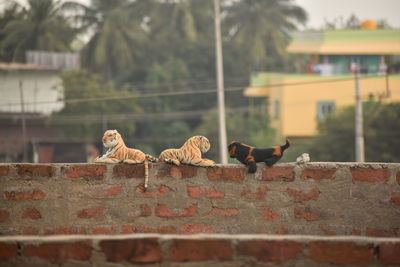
(298,101)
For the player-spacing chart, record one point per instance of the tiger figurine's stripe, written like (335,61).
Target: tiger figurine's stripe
(189,153)
(119,152)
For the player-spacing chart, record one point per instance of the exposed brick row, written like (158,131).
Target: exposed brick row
(146,250)
(233,174)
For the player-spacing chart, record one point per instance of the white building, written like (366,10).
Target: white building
(39,86)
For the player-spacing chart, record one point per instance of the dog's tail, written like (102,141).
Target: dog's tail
(285,146)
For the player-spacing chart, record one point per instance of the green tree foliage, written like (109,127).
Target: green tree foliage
(158,46)
(41,26)
(90,118)
(117,35)
(12,12)
(262,27)
(336,142)
(248,126)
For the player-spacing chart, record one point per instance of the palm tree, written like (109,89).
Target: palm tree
(10,13)
(41,26)
(175,19)
(117,31)
(262,27)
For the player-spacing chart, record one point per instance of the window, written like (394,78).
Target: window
(325,108)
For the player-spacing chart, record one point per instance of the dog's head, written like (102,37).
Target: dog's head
(232,149)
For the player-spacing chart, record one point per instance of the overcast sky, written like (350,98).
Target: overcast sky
(321,10)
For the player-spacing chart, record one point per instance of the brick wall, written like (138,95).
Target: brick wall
(199,250)
(312,199)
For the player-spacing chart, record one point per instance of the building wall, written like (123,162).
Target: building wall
(299,98)
(313,199)
(38,86)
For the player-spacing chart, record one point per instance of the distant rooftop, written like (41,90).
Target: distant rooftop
(23,66)
(346,42)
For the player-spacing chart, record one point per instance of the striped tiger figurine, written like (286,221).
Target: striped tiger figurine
(119,152)
(189,153)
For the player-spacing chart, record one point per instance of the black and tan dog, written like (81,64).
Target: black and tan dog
(249,155)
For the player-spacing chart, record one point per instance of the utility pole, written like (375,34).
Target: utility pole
(359,132)
(21,94)
(220,83)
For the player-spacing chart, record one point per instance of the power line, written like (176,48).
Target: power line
(180,93)
(141,117)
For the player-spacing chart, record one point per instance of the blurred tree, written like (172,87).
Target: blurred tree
(335,140)
(262,28)
(90,119)
(118,34)
(383,24)
(250,127)
(40,26)
(352,22)
(174,20)
(11,12)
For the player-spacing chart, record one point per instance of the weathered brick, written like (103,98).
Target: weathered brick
(269,215)
(35,170)
(161,191)
(341,252)
(29,230)
(4,215)
(32,213)
(107,191)
(86,171)
(182,250)
(226,174)
(177,172)
(139,251)
(278,174)
(91,212)
(8,251)
(300,195)
(66,230)
(370,175)
(395,198)
(199,192)
(114,190)
(196,228)
(225,212)
(164,212)
(270,251)
(356,232)
(327,231)
(159,230)
(282,230)
(260,194)
(389,253)
(127,229)
(129,170)
(34,195)
(4,170)
(144,211)
(318,174)
(103,230)
(380,232)
(305,213)
(59,252)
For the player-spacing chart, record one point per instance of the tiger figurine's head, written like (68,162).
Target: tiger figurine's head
(111,138)
(199,141)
